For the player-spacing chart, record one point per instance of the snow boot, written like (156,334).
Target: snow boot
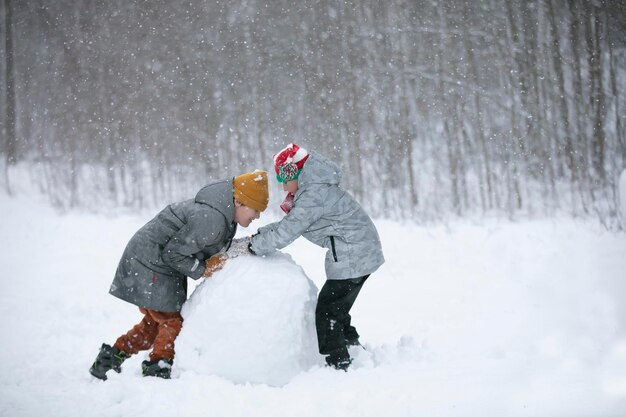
(161,368)
(339,359)
(108,358)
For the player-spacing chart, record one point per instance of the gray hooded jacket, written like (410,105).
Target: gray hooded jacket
(329,217)
(158,259)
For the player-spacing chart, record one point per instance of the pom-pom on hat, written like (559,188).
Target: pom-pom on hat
(251,190)
(289,162)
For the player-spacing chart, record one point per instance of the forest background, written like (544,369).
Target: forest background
(434,110)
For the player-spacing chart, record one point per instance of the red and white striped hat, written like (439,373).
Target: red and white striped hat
(289,162)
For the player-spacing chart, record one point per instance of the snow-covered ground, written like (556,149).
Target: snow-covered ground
(622,197)
(498,319)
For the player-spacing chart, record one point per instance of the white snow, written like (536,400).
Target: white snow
(622,197)
(492,319)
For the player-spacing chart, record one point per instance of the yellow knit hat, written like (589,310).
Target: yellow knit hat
(251,190)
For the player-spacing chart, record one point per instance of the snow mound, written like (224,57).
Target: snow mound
(251,322)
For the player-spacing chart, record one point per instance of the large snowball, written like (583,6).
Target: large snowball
(254,321)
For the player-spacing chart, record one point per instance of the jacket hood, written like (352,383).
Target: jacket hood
(219,195)
(319,170)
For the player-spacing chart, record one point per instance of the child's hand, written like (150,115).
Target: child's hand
(214,264)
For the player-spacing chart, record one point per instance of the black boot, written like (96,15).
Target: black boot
(339,359)
(354,342)
(160,367)
(108,358)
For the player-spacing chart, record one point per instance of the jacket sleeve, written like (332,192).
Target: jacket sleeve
(308,208)
(203,228)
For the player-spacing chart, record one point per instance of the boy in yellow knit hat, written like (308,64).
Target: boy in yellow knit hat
(186,239)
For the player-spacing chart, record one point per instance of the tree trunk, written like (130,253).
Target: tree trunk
(10,140)
(619,130)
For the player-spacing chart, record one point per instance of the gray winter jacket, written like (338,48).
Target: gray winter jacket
(329,217)
(158,259)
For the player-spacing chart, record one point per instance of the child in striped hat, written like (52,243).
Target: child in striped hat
(319,209)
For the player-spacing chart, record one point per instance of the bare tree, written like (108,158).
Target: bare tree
(9,121)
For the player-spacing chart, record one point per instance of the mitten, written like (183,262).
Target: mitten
(214,264)
(239,247)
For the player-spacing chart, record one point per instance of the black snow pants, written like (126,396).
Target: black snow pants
(332,318)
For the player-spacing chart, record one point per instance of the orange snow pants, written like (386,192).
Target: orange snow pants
(157,330)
